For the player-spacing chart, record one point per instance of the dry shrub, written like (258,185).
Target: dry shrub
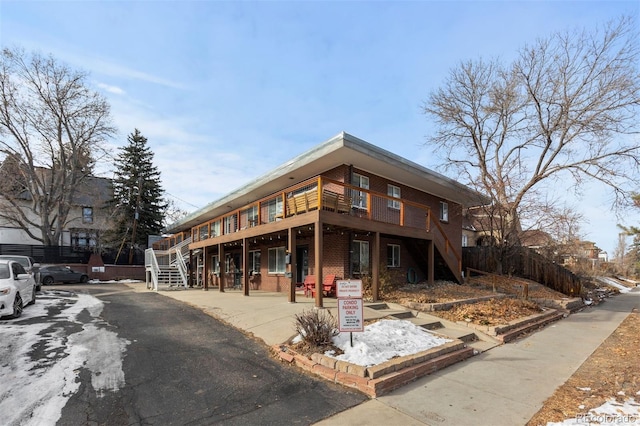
(317,327)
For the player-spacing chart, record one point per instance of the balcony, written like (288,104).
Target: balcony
(317,194)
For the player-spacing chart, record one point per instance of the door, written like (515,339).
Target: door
(302,265)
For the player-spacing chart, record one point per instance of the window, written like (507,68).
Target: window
(83,239)
(230,224)
(277,260)
(204,232)
(359,198)
(17,269)
(393,255)
(274,209)
(465,240)
(87,215)
(252,216)
(444,211)
(215,264)
(394,191)
(254,261)
(360,257)
(215,228)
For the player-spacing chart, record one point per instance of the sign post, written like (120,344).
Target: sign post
(350,308)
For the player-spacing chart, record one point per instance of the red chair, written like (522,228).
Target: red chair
(329,284)
(309,285)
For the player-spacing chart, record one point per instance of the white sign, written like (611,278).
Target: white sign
(350,315)
(349,288)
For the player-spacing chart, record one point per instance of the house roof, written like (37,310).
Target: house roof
(340,149)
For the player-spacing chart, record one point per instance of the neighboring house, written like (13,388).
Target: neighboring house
(540,241)
(485,226)
(87,220)
(580,254)
(345,208)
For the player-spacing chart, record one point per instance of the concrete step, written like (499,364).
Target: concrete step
(377,306)
(401,314)
(428,324)
(464,335)
(480,346)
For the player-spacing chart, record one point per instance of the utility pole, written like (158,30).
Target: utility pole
(135,221)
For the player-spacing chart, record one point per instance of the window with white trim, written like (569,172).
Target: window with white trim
(360,257)
(215,264)
(87,215)
(393,255)
(359,198)
(274,209)
(444,211)
(230,224)
(277,260)
(393,191)
(254,261)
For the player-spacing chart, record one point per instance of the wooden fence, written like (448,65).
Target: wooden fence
(524,263)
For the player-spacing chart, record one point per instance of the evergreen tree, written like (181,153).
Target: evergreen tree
(137,196)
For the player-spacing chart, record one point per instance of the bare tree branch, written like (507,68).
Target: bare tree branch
(51,123)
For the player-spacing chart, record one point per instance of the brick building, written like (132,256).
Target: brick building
(345,207)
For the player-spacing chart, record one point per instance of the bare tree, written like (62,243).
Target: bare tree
(173,213)
(51,124)
(562,114)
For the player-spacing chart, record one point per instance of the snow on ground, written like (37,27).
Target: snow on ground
(614,283)
(383,340)
(40,361)
(609,413)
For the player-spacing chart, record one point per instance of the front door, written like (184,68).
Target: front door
(302,266)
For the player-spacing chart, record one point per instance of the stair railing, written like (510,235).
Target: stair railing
(151,265)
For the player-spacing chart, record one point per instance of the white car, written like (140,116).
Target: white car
(17,289)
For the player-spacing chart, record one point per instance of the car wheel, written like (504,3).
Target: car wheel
(84,279)
(17,307)
(33,296)
(47,280)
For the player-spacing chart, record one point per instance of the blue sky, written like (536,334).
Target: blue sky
(226,91)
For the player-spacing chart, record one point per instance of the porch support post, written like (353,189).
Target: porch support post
(205,268)
(292,266)
(192,259)
(245,266)
(375,267)
(430,262)
(318,244)
(223,273)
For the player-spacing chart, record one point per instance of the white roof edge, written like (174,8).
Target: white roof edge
(341,140)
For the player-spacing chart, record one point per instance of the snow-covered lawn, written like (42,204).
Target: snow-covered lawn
(384,340)
(40,361)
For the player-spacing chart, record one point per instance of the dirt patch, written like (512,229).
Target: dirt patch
(439,292)
(610,372)
(491,312)
(513,285)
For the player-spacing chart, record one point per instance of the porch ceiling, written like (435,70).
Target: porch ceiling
(341,149)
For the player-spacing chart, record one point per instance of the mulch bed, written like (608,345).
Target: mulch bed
(492,312)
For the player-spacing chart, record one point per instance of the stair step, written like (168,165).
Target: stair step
(464,335)
(427,324)
(377,306)
(402,314)
(480,346)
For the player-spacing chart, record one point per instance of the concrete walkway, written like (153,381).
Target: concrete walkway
(506,385)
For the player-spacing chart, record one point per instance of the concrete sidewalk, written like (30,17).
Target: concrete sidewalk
(506,385)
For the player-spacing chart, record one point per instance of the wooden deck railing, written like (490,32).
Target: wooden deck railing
(324,194)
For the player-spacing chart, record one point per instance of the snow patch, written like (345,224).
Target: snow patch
(384,340)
